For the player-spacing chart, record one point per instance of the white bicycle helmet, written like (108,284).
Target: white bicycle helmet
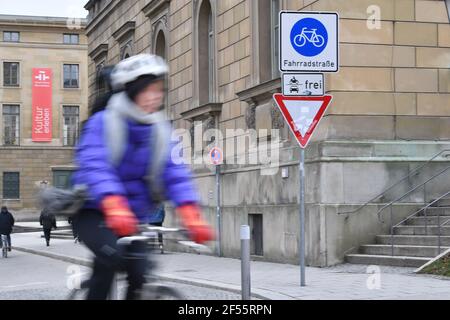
(132,68)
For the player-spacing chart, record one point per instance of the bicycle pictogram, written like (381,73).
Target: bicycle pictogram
(309,37)
(315,39)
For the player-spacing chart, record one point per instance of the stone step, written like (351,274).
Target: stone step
(431,230)
(413,240)
(445,202)
(397,261)
(435,211)
(430,220)
(61,236)
(402,250)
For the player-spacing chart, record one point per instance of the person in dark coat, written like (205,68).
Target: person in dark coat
(6,224)
(47,221)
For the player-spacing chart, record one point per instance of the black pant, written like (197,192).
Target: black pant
(109,257)
(8,240)
(160,236)
(47,234)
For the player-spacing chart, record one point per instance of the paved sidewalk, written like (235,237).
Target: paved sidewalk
(269,280)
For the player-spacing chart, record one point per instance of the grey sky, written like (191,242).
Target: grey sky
(50,8)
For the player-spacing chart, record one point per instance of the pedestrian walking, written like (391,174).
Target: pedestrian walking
(47,221)
(6,224)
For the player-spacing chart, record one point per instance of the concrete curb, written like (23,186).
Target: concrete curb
(262,294)
(55,256)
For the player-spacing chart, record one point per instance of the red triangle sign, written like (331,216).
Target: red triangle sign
(303,114)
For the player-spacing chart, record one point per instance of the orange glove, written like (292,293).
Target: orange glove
(118,216)
(198,228)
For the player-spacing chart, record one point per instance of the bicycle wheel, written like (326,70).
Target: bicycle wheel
(319,41)
(160,292)
(300,40)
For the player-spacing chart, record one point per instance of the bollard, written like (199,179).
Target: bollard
(245,262)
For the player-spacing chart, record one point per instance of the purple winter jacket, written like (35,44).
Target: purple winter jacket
(102,179)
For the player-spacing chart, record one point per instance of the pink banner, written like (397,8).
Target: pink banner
(42,105)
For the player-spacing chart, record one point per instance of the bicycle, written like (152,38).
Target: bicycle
(151,289)
(5,245)
(316,39)
(68,202)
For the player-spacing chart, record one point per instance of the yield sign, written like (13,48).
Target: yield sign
(302,113)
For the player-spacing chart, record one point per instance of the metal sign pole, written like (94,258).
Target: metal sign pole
(301,243)
(219,251)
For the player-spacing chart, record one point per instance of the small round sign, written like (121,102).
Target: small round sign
(216,156)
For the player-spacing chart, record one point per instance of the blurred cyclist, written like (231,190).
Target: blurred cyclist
(126,163)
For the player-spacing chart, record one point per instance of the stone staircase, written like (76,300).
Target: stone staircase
(415,241)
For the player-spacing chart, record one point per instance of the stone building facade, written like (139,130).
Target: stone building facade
(390,109)
(28,42)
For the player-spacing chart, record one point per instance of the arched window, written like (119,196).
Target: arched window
(160,46)
(127,51)
(100,83)
(160,49)
(206,54)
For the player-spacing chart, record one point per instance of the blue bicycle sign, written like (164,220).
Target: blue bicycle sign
(309,37)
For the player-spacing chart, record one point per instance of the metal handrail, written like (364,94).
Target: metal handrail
(422,209)
(426,225)
(412,190)
(397,183)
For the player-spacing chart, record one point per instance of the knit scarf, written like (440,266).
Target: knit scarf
(123,106)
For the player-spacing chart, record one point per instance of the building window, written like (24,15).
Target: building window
(11,185)
(160,47)
(70,125)
(71,76)
(268,28)
(100,82)
(211,55)
(71,38)
(62,179)
(447,4)
(206,58)
(275,26)
(11,125)
(161,50)
(11,74)
(11,36)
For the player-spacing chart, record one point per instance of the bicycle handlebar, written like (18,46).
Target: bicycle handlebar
(146,233)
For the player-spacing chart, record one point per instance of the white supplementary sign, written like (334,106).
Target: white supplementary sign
(303,84)
(309,41)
